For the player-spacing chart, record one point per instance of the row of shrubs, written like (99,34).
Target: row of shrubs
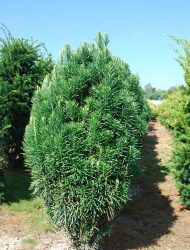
(174,114)
(154,110)
(86,128)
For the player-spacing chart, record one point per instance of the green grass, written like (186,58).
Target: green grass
(19,201)
(29,241)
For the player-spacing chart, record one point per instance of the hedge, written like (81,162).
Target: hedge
(174,113)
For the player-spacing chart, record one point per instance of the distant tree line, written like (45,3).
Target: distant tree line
(157,94)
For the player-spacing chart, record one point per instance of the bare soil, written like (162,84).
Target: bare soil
(155,219)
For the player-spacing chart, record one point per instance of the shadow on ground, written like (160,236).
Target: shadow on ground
(149,215)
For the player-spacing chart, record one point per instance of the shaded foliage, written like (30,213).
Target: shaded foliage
(2,187)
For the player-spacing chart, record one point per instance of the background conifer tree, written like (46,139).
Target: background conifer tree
(23,66)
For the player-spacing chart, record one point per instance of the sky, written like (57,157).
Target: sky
(138,30)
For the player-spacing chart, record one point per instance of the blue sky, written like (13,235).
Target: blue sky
(137,30)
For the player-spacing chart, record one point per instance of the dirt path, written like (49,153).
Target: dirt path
(154,220)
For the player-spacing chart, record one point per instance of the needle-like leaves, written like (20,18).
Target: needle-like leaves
(82,143)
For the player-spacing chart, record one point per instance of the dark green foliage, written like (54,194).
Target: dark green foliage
(2,179)
(181,170)
(174,113)
(2,191)
(17,186)
(23,67)
(82,143)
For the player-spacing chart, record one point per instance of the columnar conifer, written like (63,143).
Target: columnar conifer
(83,140)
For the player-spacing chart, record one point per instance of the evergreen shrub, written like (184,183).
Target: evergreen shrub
(181,169)
(83,140)
(174,114)
(154,110)
(23,66)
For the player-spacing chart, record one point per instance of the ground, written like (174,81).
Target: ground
(155,219)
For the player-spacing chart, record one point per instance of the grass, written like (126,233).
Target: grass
(19,201)
(29,241)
